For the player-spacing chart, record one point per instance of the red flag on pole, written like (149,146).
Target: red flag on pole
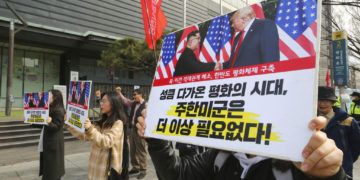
(328,79)
(154,21)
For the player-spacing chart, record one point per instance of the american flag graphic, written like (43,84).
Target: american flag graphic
(216,46)
(87,93)
(166,66)
(26,99)
(78,90)
(296,23)
(36,99)
(168,56)
(46,99)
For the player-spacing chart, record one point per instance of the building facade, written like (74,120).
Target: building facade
(69,35)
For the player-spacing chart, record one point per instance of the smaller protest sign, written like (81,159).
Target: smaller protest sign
(36,107)
(78,104)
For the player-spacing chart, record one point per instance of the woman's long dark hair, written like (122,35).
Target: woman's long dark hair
(57,103)
(117,111)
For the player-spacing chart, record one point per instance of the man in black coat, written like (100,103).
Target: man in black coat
(322,160)
(256,40)
(188,63)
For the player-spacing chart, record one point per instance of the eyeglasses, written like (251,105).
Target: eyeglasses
(103,101)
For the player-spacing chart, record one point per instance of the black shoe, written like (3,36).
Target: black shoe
(134,172)
(141,175)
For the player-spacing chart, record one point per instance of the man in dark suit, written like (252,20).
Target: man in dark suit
(256,40)
(188,63)
(41,100)
(82,94)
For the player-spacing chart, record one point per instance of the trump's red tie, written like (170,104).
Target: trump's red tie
(237,47)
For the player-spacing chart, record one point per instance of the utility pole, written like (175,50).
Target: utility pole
(9,96)
(328,25)
(12,32)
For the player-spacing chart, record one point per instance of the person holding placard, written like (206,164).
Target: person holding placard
(322,160)
(107,140)
(51,144)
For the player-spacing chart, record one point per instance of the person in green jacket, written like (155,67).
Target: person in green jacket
(355,106)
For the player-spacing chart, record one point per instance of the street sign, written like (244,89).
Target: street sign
(340,59)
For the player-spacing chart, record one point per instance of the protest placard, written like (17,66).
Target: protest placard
(245,81)
(36,107)
(78,104)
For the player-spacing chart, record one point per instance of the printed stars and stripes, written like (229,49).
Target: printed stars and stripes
(166,66)
(216,46)
(296,22)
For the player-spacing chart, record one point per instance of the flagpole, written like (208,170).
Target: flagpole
(221,9)
(151,35)
(184,13)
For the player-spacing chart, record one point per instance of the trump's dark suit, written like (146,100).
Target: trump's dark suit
(82,98)
(260,45)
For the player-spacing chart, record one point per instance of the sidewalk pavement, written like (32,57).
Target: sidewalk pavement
(75,169)
(23,163)
(356,170)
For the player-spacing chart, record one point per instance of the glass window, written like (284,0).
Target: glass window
(51,70)
(33,71)
(17,76)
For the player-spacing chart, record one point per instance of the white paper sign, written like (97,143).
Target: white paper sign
(74,76)
(251,92)
(36,107)
(78,104)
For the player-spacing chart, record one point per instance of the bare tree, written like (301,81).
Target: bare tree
(351,10)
